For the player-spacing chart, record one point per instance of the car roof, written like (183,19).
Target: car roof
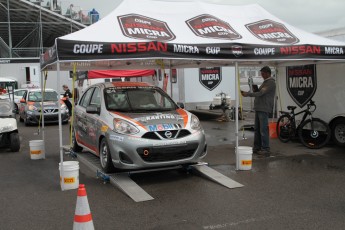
(40,90)
(123,84)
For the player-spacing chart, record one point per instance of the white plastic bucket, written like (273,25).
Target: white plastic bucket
(70,175)
(245,155)
(37,150)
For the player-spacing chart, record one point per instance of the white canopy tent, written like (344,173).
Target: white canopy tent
(150,34)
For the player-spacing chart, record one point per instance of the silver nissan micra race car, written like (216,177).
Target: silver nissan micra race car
(134,125)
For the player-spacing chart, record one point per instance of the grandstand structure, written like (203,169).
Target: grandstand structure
(28,27)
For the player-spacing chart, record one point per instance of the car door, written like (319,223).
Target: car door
(92,118)
(80,122)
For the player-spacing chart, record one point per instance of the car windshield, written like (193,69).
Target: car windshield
(138,100)
(48,96)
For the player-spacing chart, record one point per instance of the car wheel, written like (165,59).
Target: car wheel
(16,108)
(338,132)
(26,121)
(15,143)
(75,146)
(105,157)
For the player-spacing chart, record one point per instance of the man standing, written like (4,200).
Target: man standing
(66,97)
(263,106)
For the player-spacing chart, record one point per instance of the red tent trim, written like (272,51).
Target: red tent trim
(92,74)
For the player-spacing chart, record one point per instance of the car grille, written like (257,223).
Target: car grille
(174,134)
(49,110)
(167,153)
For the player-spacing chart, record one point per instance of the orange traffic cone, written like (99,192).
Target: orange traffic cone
(82,217)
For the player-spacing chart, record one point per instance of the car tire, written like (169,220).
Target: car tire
(26,123)
(75,146)
(15,142)
(338,132)
(105,157)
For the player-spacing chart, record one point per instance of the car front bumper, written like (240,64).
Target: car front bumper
(137,153)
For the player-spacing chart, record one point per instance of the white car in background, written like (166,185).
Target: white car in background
(18,94)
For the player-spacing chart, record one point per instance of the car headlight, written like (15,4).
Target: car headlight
(124,127)
(6,128)
(195,123)
(32,108)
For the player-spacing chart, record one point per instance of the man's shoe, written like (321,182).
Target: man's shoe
(264,153)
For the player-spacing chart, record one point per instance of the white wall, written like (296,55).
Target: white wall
(195,92)
(18,71)
(330,93)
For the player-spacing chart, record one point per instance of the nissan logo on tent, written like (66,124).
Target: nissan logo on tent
(142,27)
(209,26)
(271,31)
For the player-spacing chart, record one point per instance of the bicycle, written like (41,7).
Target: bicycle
(314,133)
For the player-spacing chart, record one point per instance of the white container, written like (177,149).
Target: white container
(37,150)
(245,155)
(217,100)
(70,175)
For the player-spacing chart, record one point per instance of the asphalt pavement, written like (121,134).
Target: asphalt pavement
(296,188)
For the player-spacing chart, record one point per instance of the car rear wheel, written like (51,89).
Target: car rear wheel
(105,157)
(75,146)
(338,132)
(15,143)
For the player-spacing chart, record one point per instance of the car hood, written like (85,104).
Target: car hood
(158,120)
(47,104)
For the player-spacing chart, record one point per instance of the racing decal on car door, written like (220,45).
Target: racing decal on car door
(301,83)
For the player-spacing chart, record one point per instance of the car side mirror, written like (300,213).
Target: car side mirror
(93,109)
(180,104)
(22,100)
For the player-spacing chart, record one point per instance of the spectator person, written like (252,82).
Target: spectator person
(2,90)
(263,106)
(94,15)
(66,96)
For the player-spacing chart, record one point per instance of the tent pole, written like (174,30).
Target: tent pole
(236,112)
(60,132)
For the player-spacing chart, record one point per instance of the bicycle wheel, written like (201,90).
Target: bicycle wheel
(314,133)
(284,128)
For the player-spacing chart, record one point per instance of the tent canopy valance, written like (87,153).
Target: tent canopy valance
(150,34)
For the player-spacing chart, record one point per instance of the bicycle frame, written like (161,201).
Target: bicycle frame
(307,113)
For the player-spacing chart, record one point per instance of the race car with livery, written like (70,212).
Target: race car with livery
(135,125)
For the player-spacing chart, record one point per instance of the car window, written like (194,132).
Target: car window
(96,97)
(19,93)
(50,96)
(36,96)
(138,100)
(86,98)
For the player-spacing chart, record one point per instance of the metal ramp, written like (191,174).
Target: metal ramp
(134,191)
(214,175)
(120,180)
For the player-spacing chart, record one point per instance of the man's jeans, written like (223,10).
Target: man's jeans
(261,135)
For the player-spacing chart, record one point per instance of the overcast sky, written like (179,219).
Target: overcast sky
(309,15)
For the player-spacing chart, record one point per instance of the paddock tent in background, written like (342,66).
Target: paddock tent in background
(152,34)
